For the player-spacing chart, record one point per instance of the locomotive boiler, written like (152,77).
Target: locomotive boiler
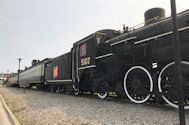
(142,59)
(137,63)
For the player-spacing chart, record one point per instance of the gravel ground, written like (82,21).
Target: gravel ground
(105,112)
(50,115)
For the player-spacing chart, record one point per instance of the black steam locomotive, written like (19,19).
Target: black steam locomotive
(137,63)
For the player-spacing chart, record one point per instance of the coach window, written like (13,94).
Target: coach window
(83,49)
(98,40)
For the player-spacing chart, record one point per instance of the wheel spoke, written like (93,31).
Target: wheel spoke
(132,76)
(137,84)
(145,81)
(167,83)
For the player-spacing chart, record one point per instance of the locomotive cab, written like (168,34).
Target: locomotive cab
(86,73)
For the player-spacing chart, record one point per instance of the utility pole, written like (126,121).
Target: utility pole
(177,59)
(18,80)
(7,77)
(2,78)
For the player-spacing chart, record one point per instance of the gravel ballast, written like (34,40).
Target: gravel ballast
(97,111)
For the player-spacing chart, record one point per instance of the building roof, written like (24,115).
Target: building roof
(4,75)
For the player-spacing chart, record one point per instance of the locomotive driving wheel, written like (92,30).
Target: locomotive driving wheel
(76,89)
(168,86)
(138,84)
(104,93)
(58,89)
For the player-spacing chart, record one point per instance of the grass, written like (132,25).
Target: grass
(84,124)
(27,116)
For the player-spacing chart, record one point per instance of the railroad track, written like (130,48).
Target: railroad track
(113,98)
(109,111)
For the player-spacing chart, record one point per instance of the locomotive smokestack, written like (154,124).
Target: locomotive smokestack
(153,15)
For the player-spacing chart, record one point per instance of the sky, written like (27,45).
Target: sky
(37,29)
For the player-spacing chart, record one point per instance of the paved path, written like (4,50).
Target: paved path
(3,115)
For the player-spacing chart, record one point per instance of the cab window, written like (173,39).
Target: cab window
(83,49)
